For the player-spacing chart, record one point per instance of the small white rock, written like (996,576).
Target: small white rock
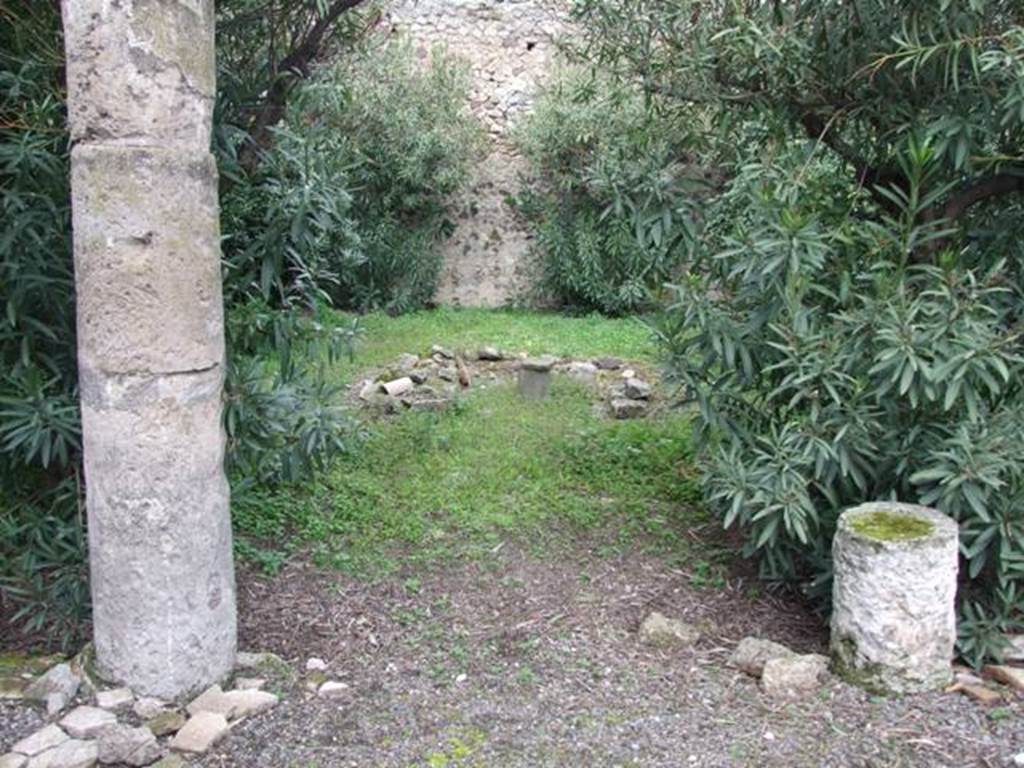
(246,703)
(316,665)
(332,690)
(125,744)
(1019,759)
(45,738)
(85,722)
(114,699)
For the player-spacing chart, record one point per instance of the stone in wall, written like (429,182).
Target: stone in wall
(509,47)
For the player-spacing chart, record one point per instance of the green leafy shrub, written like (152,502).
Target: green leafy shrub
(849,323)
(403,131)
(829,368)
(612,193)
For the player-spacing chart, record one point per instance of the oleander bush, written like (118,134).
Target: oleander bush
(611,193)
(849,321)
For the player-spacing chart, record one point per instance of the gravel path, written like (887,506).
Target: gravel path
(524,662)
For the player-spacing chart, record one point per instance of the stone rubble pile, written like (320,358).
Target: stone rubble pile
(434,381)
(91,726)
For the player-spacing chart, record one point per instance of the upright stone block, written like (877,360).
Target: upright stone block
(894,618)
(535,377)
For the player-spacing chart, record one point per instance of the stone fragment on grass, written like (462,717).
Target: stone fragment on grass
(315,665)
(124,744)
(660,631)
(166,722)
(332,689)
(752,653)
(70,754)
(201,732)
(397,387)
(45,738)
(582,371)
(85,722)
(636,389)
(60,680)
(490,354)
(11,760)
(419,378)
(608,363)
(114,699)
(442,352)
(623,408)
(794,676)
(534,380)
(406,362)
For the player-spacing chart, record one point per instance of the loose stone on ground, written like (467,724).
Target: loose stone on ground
(86,722)
(201,732)
(124,744)
(753,653)
(794,676)
(663,632)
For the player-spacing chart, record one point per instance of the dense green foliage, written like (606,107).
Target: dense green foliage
(309,218)
(849,325)
(611,197)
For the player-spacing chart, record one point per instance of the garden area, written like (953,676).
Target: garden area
(767,273)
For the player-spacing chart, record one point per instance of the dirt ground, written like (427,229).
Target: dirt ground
(527,662)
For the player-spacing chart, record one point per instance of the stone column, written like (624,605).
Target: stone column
(140,79)
(893,612)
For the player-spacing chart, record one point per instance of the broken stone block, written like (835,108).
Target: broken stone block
(12,688)
(894,593)
(12,760)
(585,372)
(201,732)
(246,703)
(60,680)
(211,700)
(397,387)
(980,693)
(148,707)
(1011,676)
(114,699)
(85,722)
(70,754)
(636,389)
(125,744)
(45,738)
(490,354)
(623,408)
(753,653)
(608,363)
(166,722)
(794,676)
(663,632)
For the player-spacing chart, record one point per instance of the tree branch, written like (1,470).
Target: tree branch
(292,68)
(996,185)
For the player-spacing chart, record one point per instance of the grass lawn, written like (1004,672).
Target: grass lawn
(427,488)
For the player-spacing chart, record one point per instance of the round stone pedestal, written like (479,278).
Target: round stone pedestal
(894,618)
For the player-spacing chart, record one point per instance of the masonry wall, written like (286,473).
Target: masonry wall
(509,47)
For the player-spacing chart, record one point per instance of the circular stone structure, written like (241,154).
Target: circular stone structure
(893,613)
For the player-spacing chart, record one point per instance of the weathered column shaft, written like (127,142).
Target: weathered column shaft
(150,340)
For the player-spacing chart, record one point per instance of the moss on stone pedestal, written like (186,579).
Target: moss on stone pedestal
(889,526)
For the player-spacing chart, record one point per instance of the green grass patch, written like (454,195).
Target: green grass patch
(427,488)
(512,330)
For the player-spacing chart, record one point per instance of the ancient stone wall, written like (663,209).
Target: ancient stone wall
(509,47)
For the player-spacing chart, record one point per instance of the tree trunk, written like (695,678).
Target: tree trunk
(150,340)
